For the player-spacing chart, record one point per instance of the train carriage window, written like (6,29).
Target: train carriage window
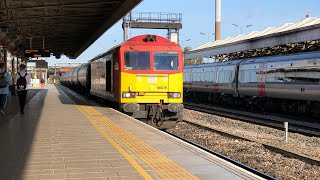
(166,61)
(249,76)
(202,77)
(212,76)
(270,76)
(207,76)
(246,76)
(241,75)
(137,60)
(228,77)
(221,76)
(254,76)
(194,78)
(198,77)
(306,76)
(187,77)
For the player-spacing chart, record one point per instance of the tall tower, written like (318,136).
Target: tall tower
(218,20)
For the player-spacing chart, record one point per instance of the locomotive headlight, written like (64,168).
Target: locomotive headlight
(150,38)
(128,95)
(174,95)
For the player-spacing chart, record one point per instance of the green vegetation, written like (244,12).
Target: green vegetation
(191,61)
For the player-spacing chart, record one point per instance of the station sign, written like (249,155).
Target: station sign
(33,53)
(41,65)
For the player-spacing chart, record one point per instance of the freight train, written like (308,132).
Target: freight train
(290,83)
(143,77)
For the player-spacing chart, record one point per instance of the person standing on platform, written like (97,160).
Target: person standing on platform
(5,82)
(22,80)
(42,83)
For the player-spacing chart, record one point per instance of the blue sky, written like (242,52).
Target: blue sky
(199,16)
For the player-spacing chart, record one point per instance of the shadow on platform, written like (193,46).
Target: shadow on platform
(17,133)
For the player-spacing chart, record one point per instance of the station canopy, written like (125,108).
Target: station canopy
(289,37)
(64,26)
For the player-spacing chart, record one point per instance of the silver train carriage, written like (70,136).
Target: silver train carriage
(289,82)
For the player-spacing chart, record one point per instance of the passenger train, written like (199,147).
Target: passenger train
(290,83)
(142,76)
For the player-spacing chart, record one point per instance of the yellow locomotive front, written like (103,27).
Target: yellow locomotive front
(151,80)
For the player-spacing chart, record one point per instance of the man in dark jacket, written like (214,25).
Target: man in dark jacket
(22,89)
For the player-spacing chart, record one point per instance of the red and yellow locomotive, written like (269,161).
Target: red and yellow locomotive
(142,76)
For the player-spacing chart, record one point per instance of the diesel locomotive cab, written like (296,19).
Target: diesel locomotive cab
(148,85)
(152,80)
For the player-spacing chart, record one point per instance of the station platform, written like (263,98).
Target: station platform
(64,136)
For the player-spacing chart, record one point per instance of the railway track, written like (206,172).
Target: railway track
(237,163)
(246,117)
(306,128)
(283,151)
(276,162)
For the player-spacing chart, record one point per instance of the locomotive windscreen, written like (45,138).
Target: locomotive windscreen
(166,61)
(137,60)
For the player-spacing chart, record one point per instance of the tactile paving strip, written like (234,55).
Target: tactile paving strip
(163,166)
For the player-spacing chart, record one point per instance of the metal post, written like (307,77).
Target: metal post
(30,43)
(5,58)
(46,77)
(13,92)
(17,64)
(12,67)
(42,42)
(208,34)
(55,73)
(126,30)
(286,130)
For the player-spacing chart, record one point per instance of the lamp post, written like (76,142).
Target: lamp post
(238,26)
(182,43)
(208,34)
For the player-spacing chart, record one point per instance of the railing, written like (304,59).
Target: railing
(155,17)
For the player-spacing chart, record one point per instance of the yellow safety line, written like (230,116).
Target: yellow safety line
(163,166)
(122,151)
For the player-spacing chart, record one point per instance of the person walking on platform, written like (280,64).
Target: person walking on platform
(22,80)
(5,82)
(42,83)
